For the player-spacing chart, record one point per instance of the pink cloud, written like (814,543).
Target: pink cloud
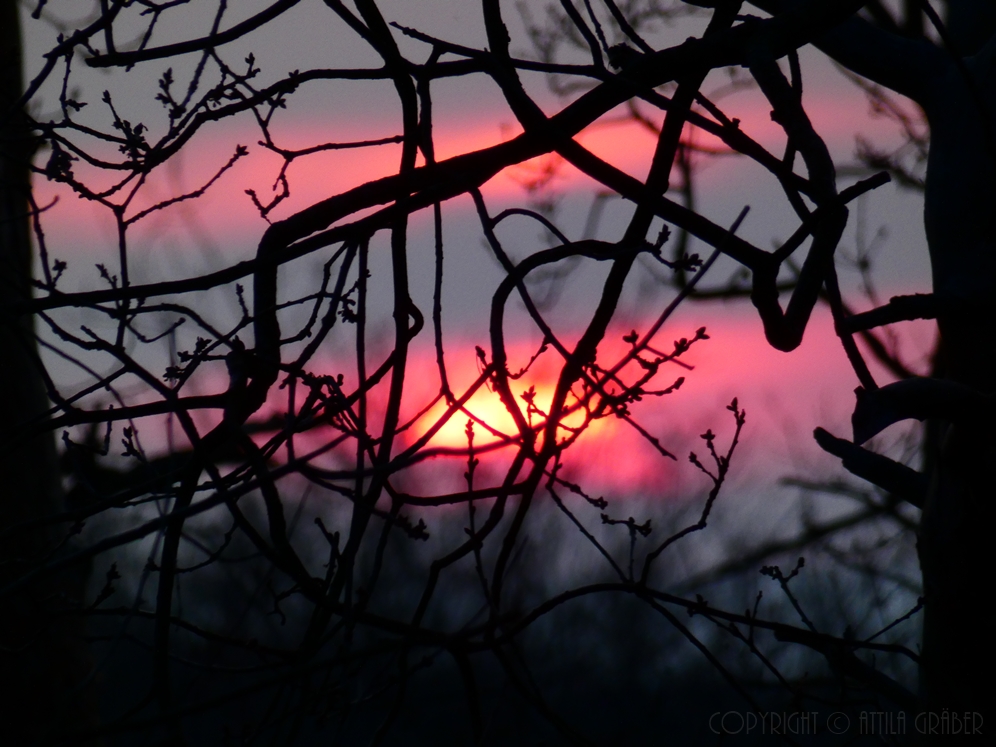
(785,396)
(226,211)
(808,387)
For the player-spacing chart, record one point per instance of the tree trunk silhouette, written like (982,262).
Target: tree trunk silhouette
(42,654)
(955,84)
(958,518)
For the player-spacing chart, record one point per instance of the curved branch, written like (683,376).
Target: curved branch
(899,309)
(893,477)
(123,59)
(918,398)
(906,66)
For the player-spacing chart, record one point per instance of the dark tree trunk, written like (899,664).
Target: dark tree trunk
(955,84)
(42,654)
(959,519)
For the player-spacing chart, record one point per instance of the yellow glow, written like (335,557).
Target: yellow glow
(488,408)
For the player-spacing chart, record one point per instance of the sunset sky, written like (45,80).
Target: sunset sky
(785,395)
